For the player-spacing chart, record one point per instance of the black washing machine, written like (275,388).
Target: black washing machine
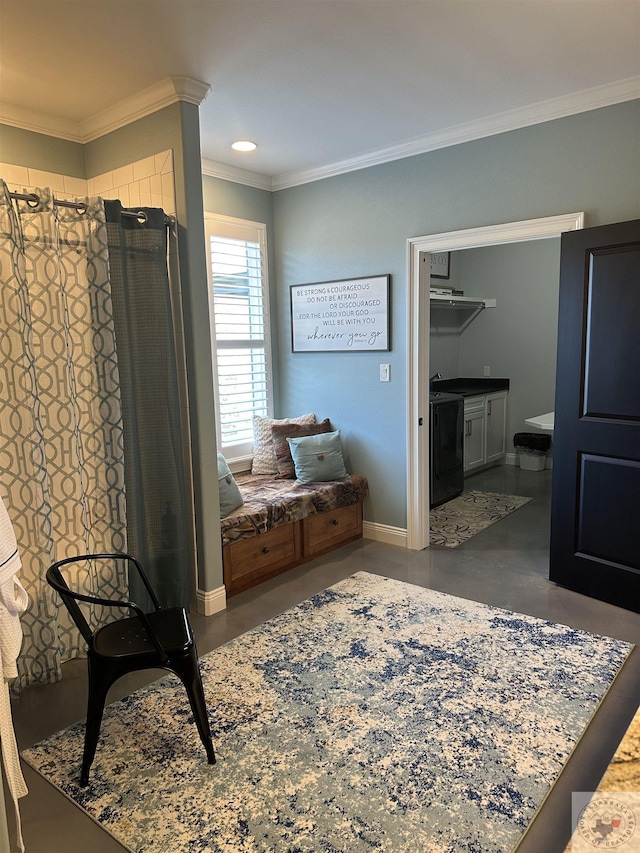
(446,413)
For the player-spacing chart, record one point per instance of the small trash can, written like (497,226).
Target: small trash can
(532,450)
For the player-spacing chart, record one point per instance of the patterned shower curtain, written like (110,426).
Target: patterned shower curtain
(61,436)
(90,441)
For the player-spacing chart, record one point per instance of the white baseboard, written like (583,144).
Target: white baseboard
(211,601)
(384,533)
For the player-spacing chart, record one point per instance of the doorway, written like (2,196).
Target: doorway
(418,344)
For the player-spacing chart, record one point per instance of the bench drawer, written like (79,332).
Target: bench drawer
(328,530)
(250,560)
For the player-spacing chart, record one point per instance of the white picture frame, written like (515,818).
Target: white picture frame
(347,315)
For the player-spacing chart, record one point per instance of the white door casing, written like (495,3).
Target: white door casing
(418,321)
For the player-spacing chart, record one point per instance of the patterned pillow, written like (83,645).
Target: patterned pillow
(281,432)
(264,459)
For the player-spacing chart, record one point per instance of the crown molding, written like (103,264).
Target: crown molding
(182,88)
(544,111)
(36,122)
(169,91)
(162,94)
(237,176)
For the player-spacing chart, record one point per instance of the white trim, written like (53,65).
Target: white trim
(236,175)
(182,88)
(162,94)
(418,344)
(384,533)
(35,122)
(508,232)
(417,401)
(543,111)
(211,601)
(218,224)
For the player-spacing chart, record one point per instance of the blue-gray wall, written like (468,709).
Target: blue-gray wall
(39,151)
(358,224)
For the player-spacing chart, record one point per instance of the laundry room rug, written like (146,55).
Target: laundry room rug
(453,523)
(375,716)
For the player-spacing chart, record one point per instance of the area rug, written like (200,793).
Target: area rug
(453,523)
(375,716)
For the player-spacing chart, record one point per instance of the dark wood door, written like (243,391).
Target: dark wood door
(595,515)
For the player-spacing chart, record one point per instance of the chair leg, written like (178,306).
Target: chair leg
(189,672)
(98,689)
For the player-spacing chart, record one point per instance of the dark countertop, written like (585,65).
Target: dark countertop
(468,387)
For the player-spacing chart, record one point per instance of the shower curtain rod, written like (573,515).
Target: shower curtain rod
(81,207)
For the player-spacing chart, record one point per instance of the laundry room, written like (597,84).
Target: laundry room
(493,341)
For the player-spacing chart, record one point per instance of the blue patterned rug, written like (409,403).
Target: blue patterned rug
(376,716)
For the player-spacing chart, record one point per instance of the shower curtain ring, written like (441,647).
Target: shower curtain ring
(33,200)
(142,217)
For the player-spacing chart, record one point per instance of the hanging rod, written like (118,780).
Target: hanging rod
(81,207)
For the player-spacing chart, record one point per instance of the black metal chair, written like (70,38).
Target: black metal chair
(160,639)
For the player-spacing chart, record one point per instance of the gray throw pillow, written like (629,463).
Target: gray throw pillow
(318,458)
(230,497)
(281,432)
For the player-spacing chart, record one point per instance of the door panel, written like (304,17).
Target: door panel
(613,353)
(606,513)
(596,458)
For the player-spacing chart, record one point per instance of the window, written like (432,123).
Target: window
(239,329)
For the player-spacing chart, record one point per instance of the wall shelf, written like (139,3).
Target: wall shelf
(472,304)
(460,302)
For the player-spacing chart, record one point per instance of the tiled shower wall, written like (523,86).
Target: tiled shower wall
(147,183)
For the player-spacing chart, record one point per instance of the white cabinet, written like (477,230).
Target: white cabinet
(474,433)
(485,427)
(496,409)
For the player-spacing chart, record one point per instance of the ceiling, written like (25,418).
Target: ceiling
(323,84)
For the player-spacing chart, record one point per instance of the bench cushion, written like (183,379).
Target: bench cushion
(269,502)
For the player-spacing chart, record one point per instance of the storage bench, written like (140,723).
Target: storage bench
(283,523)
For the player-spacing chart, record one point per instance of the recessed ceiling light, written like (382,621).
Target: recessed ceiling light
(244,145)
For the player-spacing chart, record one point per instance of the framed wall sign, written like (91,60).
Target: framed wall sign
(351,315)
(440,264)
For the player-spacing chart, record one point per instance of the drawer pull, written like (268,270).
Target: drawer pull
(335,522)
(265,550)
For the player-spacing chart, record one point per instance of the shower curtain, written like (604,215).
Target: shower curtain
(71,475)
(154,471)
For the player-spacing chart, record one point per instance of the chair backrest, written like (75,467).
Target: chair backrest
(71,598)
(56,580)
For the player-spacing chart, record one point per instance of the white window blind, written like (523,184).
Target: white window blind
(240,330)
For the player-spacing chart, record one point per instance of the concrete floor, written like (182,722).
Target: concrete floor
(506,566)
